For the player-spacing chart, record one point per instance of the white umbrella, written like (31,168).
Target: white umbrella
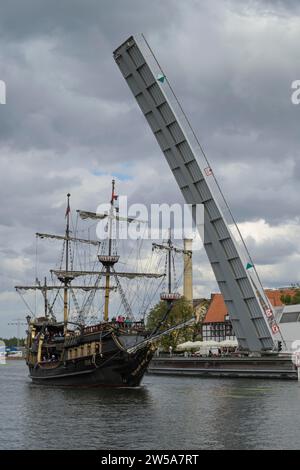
(229,343)
(188,345)
(211,344)
(197,344)
(205,346)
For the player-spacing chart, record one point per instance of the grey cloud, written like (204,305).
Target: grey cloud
(70,116)
(271,251)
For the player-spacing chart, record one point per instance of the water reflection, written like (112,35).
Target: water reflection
(165,413)
(238,404)
(87,417)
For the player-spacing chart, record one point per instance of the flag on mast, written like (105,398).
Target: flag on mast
(68,210)
(114,196)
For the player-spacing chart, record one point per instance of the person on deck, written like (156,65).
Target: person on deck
(120,320)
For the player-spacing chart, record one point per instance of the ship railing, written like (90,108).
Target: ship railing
(135,325)
(93,329)
(128,325)
(71,340)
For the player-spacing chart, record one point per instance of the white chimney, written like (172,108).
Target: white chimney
(188,270)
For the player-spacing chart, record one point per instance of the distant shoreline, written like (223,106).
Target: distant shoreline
(11,358)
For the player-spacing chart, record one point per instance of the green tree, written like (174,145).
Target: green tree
(180,312)
(296,297)
(13,342)
(288,299)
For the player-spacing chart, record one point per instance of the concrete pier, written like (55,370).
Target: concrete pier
(239,367)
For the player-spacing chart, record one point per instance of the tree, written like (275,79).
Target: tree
(13,342)
(286,299)
(180,312)
(291,299)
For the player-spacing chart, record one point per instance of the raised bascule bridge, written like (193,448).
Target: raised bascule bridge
(250,311)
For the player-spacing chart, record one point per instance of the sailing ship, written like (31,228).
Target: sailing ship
(111,351)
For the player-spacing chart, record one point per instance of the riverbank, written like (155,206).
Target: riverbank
(14,358)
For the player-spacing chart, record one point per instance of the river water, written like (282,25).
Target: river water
(164,413)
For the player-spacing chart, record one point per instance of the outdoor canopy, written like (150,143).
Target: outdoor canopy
(189,345)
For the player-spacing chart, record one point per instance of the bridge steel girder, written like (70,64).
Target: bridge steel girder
(181,149)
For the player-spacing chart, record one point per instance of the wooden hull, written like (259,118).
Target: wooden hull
(113,367)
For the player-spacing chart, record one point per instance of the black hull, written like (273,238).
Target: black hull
(119,370)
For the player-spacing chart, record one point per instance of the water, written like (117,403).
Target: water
(165,413)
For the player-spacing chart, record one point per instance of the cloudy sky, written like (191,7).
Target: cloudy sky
(70,121)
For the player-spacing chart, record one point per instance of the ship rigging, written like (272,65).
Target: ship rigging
(112,350)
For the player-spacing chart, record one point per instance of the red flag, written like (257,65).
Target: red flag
(114,197)
(68,205)
(68,211)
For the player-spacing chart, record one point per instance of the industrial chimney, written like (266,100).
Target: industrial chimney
(188,270)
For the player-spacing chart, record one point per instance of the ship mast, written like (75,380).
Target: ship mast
(109,260)
(107,275)
(66,278)
(169,296)
(66,275)
(45,298)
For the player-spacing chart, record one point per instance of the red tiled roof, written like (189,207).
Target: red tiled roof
(217,309)
(274,295)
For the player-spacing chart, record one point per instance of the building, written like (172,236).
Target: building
(288,318)
(217,326)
